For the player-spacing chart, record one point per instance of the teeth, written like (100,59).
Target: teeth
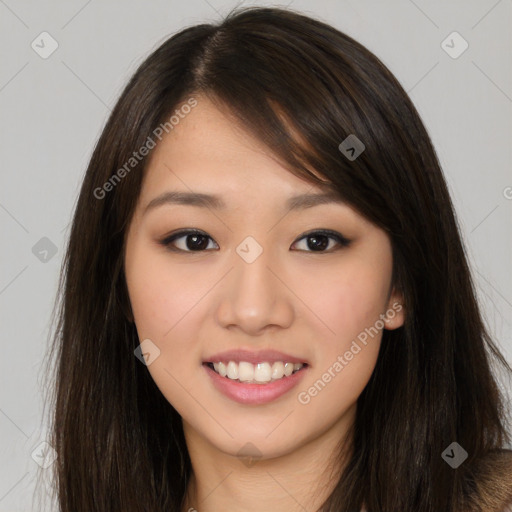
(277,370)
(232,370)
(260,373)
(221,369)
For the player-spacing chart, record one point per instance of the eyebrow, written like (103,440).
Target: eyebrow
(215,202)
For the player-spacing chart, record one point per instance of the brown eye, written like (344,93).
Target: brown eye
(319,241)
(188,241)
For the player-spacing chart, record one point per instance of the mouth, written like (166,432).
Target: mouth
(259,373)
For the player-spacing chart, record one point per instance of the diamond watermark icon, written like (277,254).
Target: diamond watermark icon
(351,147)
(249,250)
(454,45)
(249,454)
(44,250)
(147,352)
(44,45)
(454,455)
(44,454)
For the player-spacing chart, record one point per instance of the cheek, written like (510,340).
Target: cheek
(164,300)
(349,306)
(334,389)
(347,299)
(161,294)
(347,351)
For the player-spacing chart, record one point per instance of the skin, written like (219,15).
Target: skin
(291,298)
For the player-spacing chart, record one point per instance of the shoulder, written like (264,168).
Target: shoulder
(491,483)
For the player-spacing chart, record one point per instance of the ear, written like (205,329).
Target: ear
(395,312)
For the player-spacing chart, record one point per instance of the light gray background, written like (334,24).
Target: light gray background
(53,110)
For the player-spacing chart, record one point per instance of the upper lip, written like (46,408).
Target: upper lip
(253,356)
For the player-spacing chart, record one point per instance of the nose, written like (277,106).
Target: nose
(255,296)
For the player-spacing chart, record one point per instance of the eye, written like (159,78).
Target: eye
(193,241)
(319,241)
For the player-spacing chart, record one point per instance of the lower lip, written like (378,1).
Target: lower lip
(254,394)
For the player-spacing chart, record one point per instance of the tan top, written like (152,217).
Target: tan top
(493,479)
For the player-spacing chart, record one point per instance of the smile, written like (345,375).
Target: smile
(260,373)
(252,392)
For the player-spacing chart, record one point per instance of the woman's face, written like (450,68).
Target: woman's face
(252,283)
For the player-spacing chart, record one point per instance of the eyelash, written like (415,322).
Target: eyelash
(339,238)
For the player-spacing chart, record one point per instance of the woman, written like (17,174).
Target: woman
(266,302)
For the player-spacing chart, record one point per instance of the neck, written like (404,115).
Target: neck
(297,481)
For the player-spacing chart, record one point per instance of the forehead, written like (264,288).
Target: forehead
(209,150)
(209,160)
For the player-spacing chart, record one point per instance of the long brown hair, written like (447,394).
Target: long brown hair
(119,443)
